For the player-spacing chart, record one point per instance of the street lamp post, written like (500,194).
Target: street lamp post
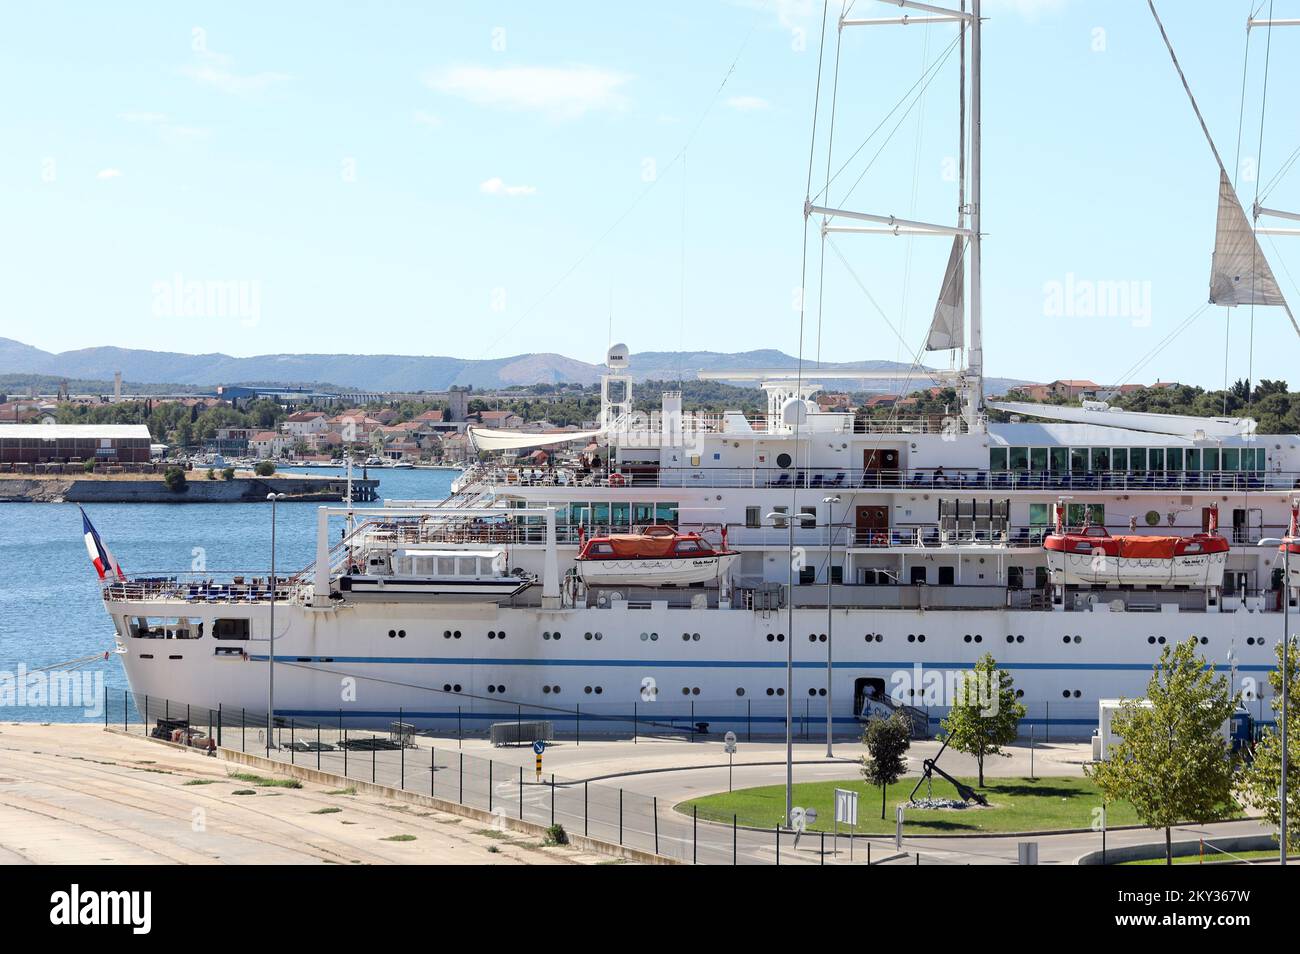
(270,659)
(830,553)
(1284,544)
(789,663)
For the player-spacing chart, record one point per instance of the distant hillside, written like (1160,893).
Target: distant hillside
(398,372)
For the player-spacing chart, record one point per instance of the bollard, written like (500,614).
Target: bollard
(106,705)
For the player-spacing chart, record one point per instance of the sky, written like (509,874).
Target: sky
(482,179)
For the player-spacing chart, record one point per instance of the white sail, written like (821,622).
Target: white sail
(1239,273)
(949,312)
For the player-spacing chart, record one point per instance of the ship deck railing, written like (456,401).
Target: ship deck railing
(831,479)
(201,589)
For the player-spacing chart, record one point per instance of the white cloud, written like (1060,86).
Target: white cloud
(226,81)
(105,174)
(568,92)
(497,186)
(747,104)
(421,118)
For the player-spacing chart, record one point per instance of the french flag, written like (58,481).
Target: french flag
(104,561)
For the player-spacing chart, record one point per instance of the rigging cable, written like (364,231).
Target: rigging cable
(1259,161)
(830,145)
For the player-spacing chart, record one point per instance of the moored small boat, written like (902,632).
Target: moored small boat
(1093,556)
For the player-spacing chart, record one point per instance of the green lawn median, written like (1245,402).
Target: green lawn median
(1015,804)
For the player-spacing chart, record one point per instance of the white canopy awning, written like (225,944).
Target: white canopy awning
(486,439)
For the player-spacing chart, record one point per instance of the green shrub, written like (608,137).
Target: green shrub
(228,474)
(174,478)
(212,474)
(265,468)
(556,835)
(89,465)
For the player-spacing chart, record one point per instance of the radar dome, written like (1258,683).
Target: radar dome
(616,359)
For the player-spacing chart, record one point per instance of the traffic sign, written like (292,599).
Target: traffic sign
(846,806)
(539,746)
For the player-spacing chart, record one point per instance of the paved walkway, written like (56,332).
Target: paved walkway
(75,794)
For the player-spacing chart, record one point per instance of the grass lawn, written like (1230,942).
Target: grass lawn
(1213,856)
(1016,804)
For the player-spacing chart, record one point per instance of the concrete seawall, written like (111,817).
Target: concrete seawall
(153,490)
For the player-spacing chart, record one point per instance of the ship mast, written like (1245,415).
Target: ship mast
(968,213)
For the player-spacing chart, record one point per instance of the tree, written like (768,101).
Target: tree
(887,742)
(985,715)
(1262,781)
(265,468)
(1172,763)
(228,473)
(174,478)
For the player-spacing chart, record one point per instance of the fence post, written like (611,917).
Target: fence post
(433,768)
(521,790)
(462,778)
(219,713)
(586,827)
(655,809)
(620,816)
(374,751)
(318,746)
(401,741)
(292,742)
(777,829)
(126,710)
(552,798)
(823,848)
(460,734)
(489,785)
(695,834)
(243,728)
(345,753)
(144,716)
(733,839)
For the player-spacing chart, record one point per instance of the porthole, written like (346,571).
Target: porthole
(1160,640)
(821,692)
(456,688)
(1205,640)
(392,634)
(1020,693)
(771,692)
(1020,639)
(780,637)
(644,637)
(979,638)
(812,637)
(1011,639)
(812,692)
(686,690)
(1077,693)
(555,689)
(599,689)
(492,634)
(587,689)
(740,692)
(1250,640)
(771,637)
(695,637)
(695,690)
(1065,639)
(783,460)
(686,637)
(501,689)
(492,688)
(920,637)
(446,634)
(455,634)
(911,637)
(1065,694)
(446,687)
(546,690)
(1151,640)
(780,692)
(599,637)
(1077,639)
(654,637)
(966,638)
(586,635)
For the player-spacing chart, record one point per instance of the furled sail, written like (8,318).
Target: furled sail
(1239,273)
(949,313)
(486,439)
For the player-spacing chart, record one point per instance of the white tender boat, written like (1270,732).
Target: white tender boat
(658,556)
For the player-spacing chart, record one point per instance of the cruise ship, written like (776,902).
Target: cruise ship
(744,572)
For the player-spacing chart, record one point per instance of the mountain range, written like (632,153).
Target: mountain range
(391,372)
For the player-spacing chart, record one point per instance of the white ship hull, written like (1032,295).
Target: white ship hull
(590,668)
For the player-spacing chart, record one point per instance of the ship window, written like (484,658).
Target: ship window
(783,460)
(1174,458)
(1156,458)
(1038,459)
(997,458)
(446,566)
(780,522)
(753,517)
(688,546)
(807,575)
(1078,460)
(1101,458)
(230,628)
(465,566)
(666,513)
(1094,515)
(642,513)
(1119,459)
(601,549)
(1137,459)
(166,628)
(1211,458)
(1018,458)
(1231,458)
(620,514)
(1060,457)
